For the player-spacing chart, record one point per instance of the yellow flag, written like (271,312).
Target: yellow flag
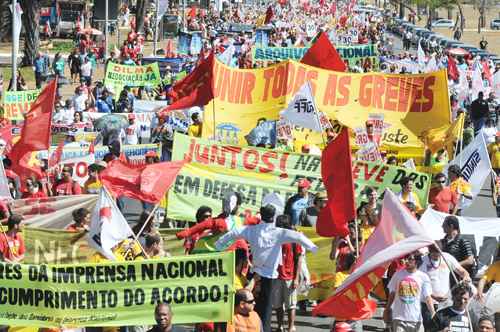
(445,136)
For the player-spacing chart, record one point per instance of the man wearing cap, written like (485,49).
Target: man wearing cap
(131,132)
(309,216)
(11,242)
(298,202)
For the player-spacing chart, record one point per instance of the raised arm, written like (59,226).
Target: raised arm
(289,236)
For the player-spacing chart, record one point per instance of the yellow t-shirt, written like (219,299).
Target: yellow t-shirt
(195,130)
(92,187)
(494,152)
(493,272)
(366,231)
(405,197)
(462,186)
(239,282)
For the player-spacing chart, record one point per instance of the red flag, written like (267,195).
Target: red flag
(333,8)
(148,183)
(397,235)
(452,68)
(196,89)
(323,55)
(35,135)
(269,15)
(486,71)
(192,12)
(336,171)
(321,3)
(55,157)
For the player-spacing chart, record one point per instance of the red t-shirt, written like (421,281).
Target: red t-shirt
(38,194)
(16,244)
(443,199)
(68,188)
(287,268)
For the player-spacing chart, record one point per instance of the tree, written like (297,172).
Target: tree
(140,14)
(5,21)
(31,19)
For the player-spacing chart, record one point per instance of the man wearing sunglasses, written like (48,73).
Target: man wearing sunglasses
(245,319)
(441,197)
(407,288)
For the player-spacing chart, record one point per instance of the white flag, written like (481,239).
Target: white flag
(496,84)
(421,56)
(397,235)
(4,184)
(302,111)
(17,13)
(477,81)
(431,65)
(108,226)
(161,10)
(227,56)
(475,166)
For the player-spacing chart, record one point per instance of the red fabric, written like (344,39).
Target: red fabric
(35,135)
(452,68)
(196,89)
(286,271)
(349,304)
(269,15)
(192,12)
(147,183)
(6,135)
(216,225)
(55,157)
(443,200)
(38,194)
(333,8)
(336,171)
(323,55)
(67,188)
(486,71)
(15,243)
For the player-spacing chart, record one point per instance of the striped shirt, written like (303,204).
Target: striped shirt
(459,247)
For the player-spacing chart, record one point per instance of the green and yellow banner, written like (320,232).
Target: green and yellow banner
(255,172)
(117,76)
(199,288)
(354,55)
(54,246)
(17,103)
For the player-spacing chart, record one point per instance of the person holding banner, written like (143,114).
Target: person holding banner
(66,185)
(12,247)
(459,186)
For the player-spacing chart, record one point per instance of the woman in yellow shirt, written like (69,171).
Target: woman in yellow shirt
(459,186)
(406,195)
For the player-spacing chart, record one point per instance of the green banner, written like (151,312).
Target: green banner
(16,103)
(255,172)
(199,288)
(355,55)
(52,246)
(117,76)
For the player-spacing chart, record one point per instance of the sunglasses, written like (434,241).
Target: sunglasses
(252,301)
(66,171)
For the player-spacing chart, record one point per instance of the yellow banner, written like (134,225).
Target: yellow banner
(410,104)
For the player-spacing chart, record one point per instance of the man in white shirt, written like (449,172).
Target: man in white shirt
(407,289)
(131,132)
(79,100)
(437,267)
(66,114)
(265,241)
(86,71)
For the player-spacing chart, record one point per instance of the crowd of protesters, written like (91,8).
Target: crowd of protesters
(429,289)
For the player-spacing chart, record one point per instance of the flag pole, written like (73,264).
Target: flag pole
(151,214)
(213,117)
(135,237)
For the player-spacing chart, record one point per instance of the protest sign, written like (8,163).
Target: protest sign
(199,288)
(80,166)
(16,103)
(134,153)
(254,172)
(51,212)
(55,246)
(352,55)
(117,76)
(243,98)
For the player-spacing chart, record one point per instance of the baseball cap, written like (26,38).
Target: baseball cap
(131,116)
(304,183)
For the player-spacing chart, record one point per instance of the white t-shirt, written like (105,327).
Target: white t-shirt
(79,102)
(409,289)
(131,134)
(439,273)
(65,115)
(86,69)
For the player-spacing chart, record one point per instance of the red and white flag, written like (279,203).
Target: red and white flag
(398,234)
(108,226)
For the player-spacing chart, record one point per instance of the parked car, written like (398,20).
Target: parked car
(443,23)
(495,24)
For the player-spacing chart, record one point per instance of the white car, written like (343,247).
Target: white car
(495,24)
(443,23)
